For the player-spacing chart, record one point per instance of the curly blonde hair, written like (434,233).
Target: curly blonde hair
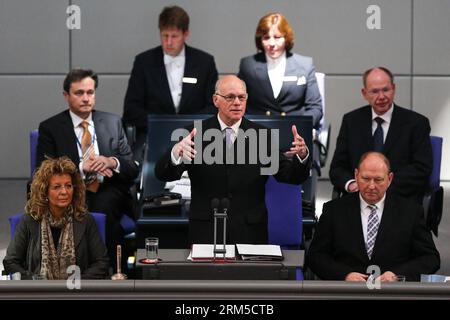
(37,204)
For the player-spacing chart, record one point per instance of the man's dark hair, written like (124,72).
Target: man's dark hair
(76,75)
(385,70)
(174,16)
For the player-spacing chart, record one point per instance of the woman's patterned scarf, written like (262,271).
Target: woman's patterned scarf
(54,262)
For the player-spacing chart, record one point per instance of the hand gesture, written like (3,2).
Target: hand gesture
(185,148)
(298,145)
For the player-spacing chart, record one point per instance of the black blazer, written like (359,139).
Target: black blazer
(148,88)
(57,138)
(407,146)
(294,98)
(24,252)
(242,184)
(403,244)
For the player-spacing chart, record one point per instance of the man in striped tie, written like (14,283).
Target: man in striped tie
(372,230)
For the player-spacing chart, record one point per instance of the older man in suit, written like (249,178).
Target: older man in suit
(96,143)
(242,183)
(400,134)
(172,78)
(372,227)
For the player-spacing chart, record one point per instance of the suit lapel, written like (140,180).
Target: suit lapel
(161,83)
(364,129)
(395,128)
(190,70)
(354,220)
(78,231)
(68,132)
(100,131)
(263,77)
(387,223)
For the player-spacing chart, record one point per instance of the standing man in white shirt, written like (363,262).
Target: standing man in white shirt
(172,78)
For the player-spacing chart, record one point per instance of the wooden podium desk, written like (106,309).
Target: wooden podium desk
(175,266)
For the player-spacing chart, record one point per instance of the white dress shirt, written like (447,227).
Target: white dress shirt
(276,69)
(174,71)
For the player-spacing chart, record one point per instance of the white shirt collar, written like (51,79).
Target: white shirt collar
(235,126)
(379,204)
(76,120)
(178,58)
(387,116)
(273,63)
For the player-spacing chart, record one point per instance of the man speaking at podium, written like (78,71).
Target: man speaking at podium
(242,183)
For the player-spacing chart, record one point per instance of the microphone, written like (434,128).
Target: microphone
(215,204)
(225,204)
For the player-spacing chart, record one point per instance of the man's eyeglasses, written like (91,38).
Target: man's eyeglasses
(376,92)
(232,97)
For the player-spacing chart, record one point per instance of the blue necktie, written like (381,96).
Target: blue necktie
(372,229)
(378,136)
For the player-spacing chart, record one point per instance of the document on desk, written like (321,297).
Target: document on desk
(205,252)
(260,252)
(182,186)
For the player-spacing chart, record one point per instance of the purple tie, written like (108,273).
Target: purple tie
(228,140)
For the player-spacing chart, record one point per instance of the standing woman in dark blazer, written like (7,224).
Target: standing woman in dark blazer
(280,82)
(56,231)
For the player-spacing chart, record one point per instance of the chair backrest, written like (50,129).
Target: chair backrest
(34,134)
(284,206)
(99,218)
(435,177)
(320,78)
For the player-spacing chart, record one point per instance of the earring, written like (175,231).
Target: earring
(46,199)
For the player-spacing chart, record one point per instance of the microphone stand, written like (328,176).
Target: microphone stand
(224,216)
(119,275)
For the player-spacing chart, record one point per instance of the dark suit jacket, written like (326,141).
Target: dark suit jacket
(294,99)
(24,251)
(242,184)
(57,138)
(403,244)
(148,88)
(407,146)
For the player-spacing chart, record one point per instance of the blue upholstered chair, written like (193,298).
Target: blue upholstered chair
(99,218)
(434,196)
(284,206)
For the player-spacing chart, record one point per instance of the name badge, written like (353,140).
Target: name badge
(289,78)
(189,80)
(301,80)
